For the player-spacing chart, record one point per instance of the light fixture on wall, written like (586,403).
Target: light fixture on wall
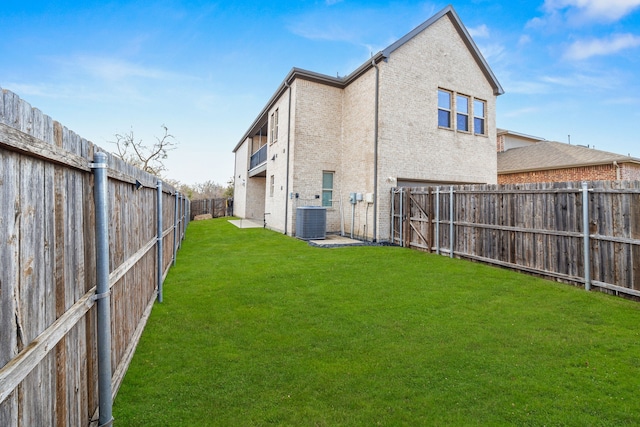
(274,157)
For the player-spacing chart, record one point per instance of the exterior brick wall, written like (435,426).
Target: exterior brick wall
(586,173)
(630,171)
(411,146)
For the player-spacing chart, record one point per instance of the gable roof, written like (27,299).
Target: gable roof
(383,55)
(464,35)
(546,155)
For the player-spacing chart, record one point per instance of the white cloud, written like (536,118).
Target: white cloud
(481,31)
(524,40)
(584,49)
(592,10)
(492,52)
(107,68)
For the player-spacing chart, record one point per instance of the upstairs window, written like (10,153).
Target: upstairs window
(479,111)
(274,126)
(327,188)
(444,108)
(462,113)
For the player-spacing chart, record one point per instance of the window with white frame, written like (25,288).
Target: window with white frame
(479,111)
(274,126)
(272,182)
(462,113)
(444,108)
(327,188)
(465,119)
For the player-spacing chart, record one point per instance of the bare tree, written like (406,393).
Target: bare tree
(149,159)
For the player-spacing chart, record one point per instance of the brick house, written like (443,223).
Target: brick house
(420,111)
(524,159)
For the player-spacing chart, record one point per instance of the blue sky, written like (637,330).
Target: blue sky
(205,69)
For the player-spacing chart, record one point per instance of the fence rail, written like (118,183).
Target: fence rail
(585,233)
(48,345)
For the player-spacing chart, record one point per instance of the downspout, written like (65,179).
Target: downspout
(375,154)
(286,194)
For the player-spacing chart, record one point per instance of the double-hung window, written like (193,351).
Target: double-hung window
(327,188)
(444,108)
(272,185)
(462,113)
(479,108)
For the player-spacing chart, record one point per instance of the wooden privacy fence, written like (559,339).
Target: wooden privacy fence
(216,207)
(584,233)
(48,346)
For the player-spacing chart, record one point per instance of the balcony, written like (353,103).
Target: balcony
(258,163)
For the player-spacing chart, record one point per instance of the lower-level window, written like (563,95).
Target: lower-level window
(272,182)
(327,188)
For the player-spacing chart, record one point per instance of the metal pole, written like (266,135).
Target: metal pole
(175,226)
(393,214)
(401,220)
(159,236)
(438,220)
(585,230)
(451,222)
(102,296)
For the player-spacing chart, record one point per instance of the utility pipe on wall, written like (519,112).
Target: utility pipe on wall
(375,153)
(286,192)
(102,295)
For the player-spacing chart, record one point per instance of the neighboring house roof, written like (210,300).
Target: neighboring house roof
(507,132)
(383,55)
(547,155)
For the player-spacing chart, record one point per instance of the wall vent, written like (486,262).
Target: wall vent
(311,223)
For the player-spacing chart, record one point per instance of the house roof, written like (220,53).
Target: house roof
(546,155)
(383,55)
(518,134)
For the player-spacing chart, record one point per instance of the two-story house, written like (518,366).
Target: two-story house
(421,111)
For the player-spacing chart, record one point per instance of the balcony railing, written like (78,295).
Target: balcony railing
(259,157)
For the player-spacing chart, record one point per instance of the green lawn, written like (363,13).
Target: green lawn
(258,328)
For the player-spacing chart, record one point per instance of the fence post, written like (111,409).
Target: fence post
(393,213)
(159,237)
(175,225)
(451,222)
(102,296)
(438,220)
(401,220)
(585,230)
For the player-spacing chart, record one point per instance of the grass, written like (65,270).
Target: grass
(260,329)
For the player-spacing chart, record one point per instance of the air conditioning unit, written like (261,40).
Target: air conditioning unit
(311,222)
